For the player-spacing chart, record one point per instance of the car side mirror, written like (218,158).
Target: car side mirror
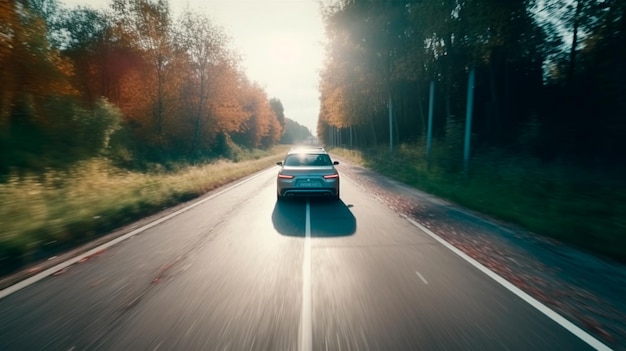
(336,162)
(279,163)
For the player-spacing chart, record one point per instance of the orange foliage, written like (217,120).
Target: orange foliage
(29,66)
(262,127)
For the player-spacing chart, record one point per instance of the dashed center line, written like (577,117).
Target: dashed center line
(306,332)
(422,278)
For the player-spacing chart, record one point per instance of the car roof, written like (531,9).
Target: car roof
(307,150)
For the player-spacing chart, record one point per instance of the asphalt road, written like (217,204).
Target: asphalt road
(240,271)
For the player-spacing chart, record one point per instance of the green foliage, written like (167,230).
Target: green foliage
(55,132)
(87,130)
(279,111)
(547,145)
(228,149)
(530,75)
(579,206)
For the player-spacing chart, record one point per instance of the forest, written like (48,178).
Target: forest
(550,75)
(545,147)
(131,83)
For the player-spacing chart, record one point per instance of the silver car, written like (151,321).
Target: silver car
(307,172)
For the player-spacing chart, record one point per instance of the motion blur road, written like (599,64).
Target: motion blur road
(240,271)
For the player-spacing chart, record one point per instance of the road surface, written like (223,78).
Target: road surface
(241,271)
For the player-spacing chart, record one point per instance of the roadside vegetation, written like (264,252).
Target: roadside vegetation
(586,208)
(540,84)
(44,213)
(107,116)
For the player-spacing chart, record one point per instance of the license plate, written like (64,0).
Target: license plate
(308,184)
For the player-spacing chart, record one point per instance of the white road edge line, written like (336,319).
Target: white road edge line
(306,332)
(422,278)
(43,274)
(571,327)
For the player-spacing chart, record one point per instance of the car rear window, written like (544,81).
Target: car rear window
(308,160)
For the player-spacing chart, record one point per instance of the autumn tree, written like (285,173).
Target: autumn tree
(155,87)
(357,70)
(261,128)
(29,65)
(84,36)
(148,25)
(41,121)
(212,80)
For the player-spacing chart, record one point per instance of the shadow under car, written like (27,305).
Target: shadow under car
(329,218)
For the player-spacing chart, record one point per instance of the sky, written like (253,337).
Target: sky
(281,43)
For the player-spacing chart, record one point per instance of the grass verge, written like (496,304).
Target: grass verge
(583,207)
(43,214)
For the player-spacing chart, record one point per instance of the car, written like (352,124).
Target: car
(307,172)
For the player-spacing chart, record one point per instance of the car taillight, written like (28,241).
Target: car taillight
(285,176)
(330,176)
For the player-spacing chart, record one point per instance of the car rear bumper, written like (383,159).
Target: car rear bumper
(309,192)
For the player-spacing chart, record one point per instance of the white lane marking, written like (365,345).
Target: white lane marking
(571,327)
(306,332)
(43,274)
(422,278)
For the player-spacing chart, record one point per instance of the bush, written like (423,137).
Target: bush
(55,132)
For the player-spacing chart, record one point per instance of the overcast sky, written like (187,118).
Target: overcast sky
(281,42)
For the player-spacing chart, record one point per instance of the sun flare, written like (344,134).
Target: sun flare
(284,50)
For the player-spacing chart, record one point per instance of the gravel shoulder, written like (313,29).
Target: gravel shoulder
(585,289)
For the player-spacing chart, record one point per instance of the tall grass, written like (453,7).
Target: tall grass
(584,207)
(43,213)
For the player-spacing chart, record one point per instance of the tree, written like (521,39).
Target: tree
(85,36)
(30,67)
(172,89)
(396,48)
(261,129)
(279,111)
(208,59)
(148,25)
(42,123)
(581,108)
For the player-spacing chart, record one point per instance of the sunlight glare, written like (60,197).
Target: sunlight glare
(285,50)
(281,44)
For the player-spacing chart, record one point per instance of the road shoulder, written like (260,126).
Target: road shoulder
(585,289)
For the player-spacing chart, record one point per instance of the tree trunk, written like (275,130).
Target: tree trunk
(494,128)
(373,130)
(421,110)
(572,55)
(198,124)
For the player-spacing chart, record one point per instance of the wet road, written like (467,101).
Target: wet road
(240,271)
